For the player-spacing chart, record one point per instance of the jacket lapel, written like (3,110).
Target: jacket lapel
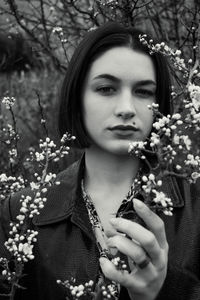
(171,187)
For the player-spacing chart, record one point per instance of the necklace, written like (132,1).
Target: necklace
(100,234)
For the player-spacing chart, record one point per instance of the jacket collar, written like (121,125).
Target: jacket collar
(64,200)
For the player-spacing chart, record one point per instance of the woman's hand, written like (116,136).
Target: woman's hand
(146,247)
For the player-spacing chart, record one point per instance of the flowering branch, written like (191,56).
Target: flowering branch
(11,133)
(21,238)
(170,142)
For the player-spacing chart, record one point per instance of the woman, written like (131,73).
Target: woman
(110,82)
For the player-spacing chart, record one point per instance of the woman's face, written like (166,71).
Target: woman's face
(120,85)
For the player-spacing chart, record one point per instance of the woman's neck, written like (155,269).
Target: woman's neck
(108,178)
(107,172)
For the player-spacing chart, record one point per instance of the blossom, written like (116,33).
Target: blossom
(176,116)
(119,263)
(57,29)
(8,101)
(192,160)
(67,137)
(22,251)
(162,122)
(194,91)
(39,156)
(150,182)
(49,177)
(20,217)
(3,177)
(34,186)
(136,146)
(195,176)
(154,139)
(78,290)
(178,52)
(26,248)
(164,201)
(4,272)
(182,139)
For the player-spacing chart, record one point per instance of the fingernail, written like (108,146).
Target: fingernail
(137,203)
(113,221)
(113,250)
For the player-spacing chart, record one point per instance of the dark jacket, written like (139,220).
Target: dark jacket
(66,244)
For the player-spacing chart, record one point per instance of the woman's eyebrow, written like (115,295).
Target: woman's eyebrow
(117,80)
(146,82)
(107,76)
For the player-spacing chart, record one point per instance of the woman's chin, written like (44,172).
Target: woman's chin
(113,147)
(119,149)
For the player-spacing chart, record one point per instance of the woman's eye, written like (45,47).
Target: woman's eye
(146,93)
(105,90)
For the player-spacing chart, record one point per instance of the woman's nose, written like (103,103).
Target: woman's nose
(125,106)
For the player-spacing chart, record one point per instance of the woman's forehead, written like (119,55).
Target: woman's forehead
(125,63)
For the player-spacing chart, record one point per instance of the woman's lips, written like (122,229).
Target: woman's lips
(124,127)
(124,130)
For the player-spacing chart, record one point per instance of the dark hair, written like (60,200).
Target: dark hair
(95,43)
